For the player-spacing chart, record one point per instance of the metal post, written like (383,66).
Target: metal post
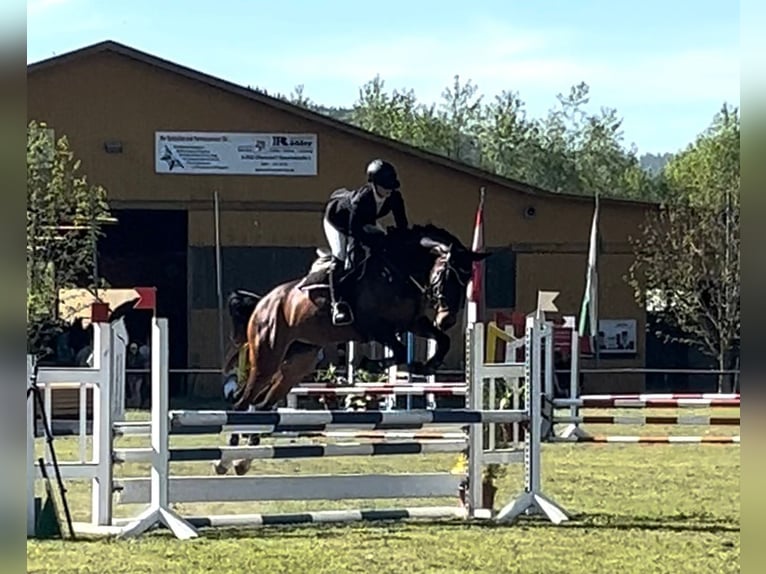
(574,374)
(474,344)
(219,279)
(31,469)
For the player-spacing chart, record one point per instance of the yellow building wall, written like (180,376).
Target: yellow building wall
(108,97)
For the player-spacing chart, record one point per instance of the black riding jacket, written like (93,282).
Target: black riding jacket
(351,210)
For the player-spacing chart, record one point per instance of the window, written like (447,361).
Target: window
(500,279)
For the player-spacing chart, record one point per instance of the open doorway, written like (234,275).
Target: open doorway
(149,248)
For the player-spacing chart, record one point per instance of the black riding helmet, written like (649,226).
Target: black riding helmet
(383,174)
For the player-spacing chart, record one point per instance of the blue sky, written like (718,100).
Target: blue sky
(666,66)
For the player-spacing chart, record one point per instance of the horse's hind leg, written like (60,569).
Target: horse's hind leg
(297,365)
(267,352)
(293,369)
(265,357)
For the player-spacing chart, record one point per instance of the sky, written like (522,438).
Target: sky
(665,66)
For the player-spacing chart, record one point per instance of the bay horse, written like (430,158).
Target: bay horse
(417,272)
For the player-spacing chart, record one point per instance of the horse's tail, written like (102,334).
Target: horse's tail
(241,305)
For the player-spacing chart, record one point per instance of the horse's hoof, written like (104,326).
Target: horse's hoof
(220,468)
(416,368)
(430,368)
(241,467)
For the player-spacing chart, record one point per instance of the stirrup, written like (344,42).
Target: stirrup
(340,310)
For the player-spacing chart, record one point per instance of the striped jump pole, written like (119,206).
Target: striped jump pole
(665,396)
(650,439)
(414,389)
(323,517)
(643,403)
(231,453)
(574,432)
(701,420)
(208,422)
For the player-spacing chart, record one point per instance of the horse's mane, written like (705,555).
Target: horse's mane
(438,233)
(417,232)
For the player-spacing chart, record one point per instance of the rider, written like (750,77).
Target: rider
(351,216)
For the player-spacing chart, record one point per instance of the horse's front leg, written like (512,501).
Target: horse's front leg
(398,349)
(426,329)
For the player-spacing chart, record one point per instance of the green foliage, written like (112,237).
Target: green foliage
(570,150)
(64,218)
(687,262)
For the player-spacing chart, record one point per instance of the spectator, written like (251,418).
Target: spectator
(134,381)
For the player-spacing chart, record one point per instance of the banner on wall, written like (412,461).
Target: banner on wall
(617,336)
(231,153)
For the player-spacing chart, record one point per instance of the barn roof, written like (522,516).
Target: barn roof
(113,47)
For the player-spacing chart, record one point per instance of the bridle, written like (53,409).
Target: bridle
(437,280)
(433,292)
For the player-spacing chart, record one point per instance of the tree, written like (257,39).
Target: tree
(687,261)
(64,218)
(399,116)
(461,114)
(570,150)
(510,143)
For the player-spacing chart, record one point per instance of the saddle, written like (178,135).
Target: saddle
(318,276)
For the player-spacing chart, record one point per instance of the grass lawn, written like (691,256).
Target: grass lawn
(636,509)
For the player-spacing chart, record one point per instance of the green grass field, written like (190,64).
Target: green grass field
(636,509)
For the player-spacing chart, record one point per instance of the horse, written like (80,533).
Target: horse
(414,271)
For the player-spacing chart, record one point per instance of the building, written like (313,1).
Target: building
(115,104)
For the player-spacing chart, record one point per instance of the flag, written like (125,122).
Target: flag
(476,284)
(589,308)
(147,298)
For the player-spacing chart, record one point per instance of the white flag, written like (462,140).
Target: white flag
(590,297)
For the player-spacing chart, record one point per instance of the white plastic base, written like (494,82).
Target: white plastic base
(155,516)
(532,503)
(573,430)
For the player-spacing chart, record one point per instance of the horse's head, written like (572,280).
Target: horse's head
(451,269)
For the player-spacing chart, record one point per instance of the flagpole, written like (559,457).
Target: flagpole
(596,284)
(219,277)
(589,307)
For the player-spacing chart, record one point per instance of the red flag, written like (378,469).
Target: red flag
(476,285)
(147,298)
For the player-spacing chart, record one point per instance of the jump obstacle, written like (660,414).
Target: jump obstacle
(99,468)
(162,489)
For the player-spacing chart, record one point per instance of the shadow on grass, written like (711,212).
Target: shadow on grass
(405,530)
(674,523)
(698,523)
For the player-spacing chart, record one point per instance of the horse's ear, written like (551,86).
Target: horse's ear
(435,247)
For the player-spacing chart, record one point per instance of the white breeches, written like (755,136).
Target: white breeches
(336,240)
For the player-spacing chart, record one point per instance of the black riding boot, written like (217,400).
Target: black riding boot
(341,311)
